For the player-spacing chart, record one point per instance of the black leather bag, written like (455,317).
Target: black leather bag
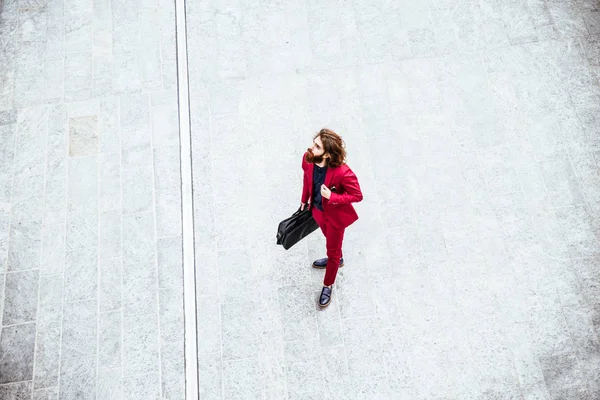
(293,229)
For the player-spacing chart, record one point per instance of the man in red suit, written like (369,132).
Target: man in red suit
(331,187)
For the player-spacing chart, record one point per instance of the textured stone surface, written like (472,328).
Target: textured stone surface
(17,344)
(89,164)
(16,391)
(472,127)
(83,136)
(21,297)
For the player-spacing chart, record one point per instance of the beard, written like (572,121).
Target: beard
(311,158)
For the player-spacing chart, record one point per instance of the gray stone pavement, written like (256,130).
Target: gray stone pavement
(473,126)
(90,242)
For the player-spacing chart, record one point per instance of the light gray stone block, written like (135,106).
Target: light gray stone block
(54,77)
(231,214)
(138,238)
(297,313)
(142,387)
(46,394)
(562,185)
(151,71)
(47,360)
(110,234)
(166,168)
(2,287)
(237,282)
(136,190)
(21,292)
(240,331)
(241,379)
(168,213)
(82,228)
(138,156)
(109,125)
(28,198)
(78,76)
(134,110)
(165,125)
(301,382)
(173,371)
(82,184)
(171,315)
(109,341)
(29,91)
(55,207)
(139,288)
(53,249)
(55,36)
(17,344)
(30,142)
(16,391)
(81,274)
(78,30)
(128,73)
(110,385)
(170,268)
(83,136)
(78,378)
(79,333)
(24,246)
(110,182)
(210,330)
(7,138)
(57,140)
(51,289)
(126,36)
(49,315)
(210,374)
(140,346)
(111,286)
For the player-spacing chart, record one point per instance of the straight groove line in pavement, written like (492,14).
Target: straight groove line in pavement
(187,208)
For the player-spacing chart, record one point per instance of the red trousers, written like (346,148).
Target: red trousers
(333,239)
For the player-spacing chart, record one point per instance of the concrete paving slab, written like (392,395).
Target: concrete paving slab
(470,127)
(473,129)
(87,192)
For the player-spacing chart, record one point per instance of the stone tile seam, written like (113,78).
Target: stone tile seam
(20,324)
(121,258)
(66,144)
(99,231)
(157,271)
(187,206)
(41,256)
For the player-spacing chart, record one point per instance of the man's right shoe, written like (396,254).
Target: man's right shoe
(321,263)
(325,297)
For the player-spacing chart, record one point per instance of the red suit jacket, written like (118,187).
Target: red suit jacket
(338,208)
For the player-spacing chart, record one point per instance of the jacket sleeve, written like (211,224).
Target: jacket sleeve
(305,193)
(352,192)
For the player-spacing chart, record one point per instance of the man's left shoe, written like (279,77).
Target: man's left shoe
(321,263)
(325,297)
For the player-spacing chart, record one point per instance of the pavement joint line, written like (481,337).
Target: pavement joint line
(187,207)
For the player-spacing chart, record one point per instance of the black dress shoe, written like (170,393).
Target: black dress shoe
(325,297)
(321,263)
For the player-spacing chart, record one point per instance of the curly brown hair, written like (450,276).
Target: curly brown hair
(334,146)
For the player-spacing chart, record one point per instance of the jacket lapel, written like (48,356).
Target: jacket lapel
(328,177)
(310,171)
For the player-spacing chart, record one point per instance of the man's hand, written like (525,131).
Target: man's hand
(325,192)
(302,206)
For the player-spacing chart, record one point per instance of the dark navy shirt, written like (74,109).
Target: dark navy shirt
(318,180)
